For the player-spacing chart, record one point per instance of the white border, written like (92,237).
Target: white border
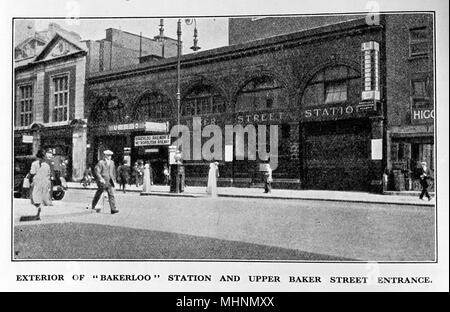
(438,272)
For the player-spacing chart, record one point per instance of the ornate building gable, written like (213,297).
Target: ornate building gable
(59,46)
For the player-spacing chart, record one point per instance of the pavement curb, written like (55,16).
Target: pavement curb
(193,195)
(170,194)
(406,193)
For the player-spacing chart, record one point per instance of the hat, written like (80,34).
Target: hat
(49,150)
(108,152)
(423,163)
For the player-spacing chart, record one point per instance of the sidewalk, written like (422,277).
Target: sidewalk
(340,196)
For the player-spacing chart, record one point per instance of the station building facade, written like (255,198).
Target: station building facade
(333,92)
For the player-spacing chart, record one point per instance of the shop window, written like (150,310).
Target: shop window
(60,103)
(153,105)
(422,152)
(332,85)
(407,155)
(202,100)
(26,105)
(418,41)
(259,94)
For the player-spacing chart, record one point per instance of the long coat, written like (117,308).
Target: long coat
(123,174)
(213,174)
(107,172)
(40,188)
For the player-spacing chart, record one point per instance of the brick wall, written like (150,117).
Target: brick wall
(93,57)
(245,29)
(401,68)
(120,49)
(292,66)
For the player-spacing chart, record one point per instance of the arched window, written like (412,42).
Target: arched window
(259,94)
(108,109)
(152,105)
(333,85)
(201,100)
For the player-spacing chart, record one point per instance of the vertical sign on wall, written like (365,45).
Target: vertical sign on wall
(377,149)
(370,69)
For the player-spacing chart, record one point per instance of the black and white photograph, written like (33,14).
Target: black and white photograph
(180,147)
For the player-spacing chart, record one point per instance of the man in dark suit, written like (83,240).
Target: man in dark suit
(105,176)
(425,175)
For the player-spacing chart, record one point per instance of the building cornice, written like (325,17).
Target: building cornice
(271,44)
(59,59)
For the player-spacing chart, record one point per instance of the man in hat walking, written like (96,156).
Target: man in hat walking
(425,175)
(105,177)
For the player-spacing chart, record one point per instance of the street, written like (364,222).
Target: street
(164,227)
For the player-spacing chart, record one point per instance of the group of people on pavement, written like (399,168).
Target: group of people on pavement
(105,176)
(42,171)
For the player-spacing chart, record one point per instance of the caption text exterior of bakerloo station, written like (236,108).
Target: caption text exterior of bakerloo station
(350,100)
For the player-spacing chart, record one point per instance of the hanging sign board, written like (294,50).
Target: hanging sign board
(377,149)
(148,140)
(27,139)
(172,152)
(156,126)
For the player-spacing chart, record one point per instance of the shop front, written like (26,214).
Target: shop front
(23,143)
(154,150)
(407,151)
(140,142)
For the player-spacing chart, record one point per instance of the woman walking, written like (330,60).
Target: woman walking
(40,187)
(213,174)
(147,179)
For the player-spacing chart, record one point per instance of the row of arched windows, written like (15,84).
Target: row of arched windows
(329,86)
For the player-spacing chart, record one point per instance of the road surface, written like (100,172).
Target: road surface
(155,227)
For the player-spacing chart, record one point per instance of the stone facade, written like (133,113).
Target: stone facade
(53,78)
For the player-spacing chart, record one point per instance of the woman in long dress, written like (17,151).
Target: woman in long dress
(213,174)
(40,187)
(147,179)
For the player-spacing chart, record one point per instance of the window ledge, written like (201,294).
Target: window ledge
(56,124)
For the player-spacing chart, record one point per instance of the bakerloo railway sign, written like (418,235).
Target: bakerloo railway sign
(149,140)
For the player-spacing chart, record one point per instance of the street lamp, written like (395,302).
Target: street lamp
(195,48)
(177,170)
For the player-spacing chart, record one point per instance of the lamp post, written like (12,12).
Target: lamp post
(195,48)
(177,170)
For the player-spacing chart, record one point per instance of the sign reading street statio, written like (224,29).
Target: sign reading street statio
(148,140)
